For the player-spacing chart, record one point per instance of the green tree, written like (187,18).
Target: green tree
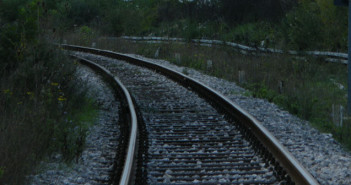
(303,27)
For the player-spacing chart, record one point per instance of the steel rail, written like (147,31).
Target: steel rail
(294,169)
(128,169)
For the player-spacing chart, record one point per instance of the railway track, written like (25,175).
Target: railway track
(190,134)
(124,163)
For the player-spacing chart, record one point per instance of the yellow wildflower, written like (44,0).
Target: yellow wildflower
(6,91)
(54,84)
(61,98)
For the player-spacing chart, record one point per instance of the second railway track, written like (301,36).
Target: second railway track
(188,138)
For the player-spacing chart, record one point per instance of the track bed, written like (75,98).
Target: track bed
(189,141)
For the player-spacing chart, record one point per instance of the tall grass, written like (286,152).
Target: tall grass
(44,110)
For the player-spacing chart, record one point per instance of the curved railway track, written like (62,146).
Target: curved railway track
(190,133)
(124,164)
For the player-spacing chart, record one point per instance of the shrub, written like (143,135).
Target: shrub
(302,27)
(253,34)
(39,97)
(190,31)
(41,111)
(9,9)
(81,12)
(335,21)
(115,23)
(86,35)
(260,90)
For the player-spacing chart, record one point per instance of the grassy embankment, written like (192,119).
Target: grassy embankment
(44,109)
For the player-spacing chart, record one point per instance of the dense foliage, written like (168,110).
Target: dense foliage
(286,24)
(43,106)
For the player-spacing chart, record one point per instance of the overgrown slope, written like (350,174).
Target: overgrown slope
(43,107)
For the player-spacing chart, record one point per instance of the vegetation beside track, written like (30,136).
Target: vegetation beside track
(313,89)
(282,24)
(35,97)
(44,109)
(308,88)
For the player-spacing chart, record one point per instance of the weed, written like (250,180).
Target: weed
(255,34)
(190,31)
(86,35)
(44,110)
(261,91)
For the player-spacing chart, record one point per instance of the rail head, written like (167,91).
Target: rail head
(295,170)
(128,169)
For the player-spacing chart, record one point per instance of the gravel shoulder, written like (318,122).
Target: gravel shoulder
(96,161)
(325,158)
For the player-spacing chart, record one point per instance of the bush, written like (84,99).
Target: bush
(260,90)
(115,23)
(190,31)
(81,12)
(41,111)
(86,35)
(316,25)
(335,21)
(9,9)
(254,34)
(168,11)
(40,99)
(302,27)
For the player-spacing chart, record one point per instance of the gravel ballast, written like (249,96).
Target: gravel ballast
(96,161)
(189,142)
(318,152)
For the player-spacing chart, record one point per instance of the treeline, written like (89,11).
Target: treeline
(284,24)
(142,16)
